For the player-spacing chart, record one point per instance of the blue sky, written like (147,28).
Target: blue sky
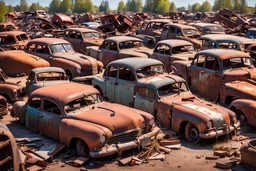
(114,3)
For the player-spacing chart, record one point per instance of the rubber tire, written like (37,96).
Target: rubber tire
(188,131)
(243,122)
(82,148)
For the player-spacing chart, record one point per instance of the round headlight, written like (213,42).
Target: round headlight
(209,124)
(102,139)
(15,93)
(78,70)
(151,122)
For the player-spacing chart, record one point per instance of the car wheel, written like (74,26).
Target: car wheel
(242,118)
(82,148)
(191,132)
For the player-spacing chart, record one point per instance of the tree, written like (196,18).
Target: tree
(228,4)
(148,5)
(173,7)
(195,7)
(163,6)
(138,6)
(24,5)
(3,10)
(205,7)
(104,6)
(33,7)
(243,8)
(9,8)
(181,9)
(121,6)
(236,5)
(66,6)
(189,7)
(55,6)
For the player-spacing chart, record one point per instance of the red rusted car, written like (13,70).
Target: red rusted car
(60,53)
(219,74)
(13,40)
(248,154)
(18,62)
(3,106)
(75,115)
(144,84)
(80,38)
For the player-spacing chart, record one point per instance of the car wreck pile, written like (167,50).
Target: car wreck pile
(100,86)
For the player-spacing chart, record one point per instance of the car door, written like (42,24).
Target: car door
(194,71)
(30,84)
(50,119)
(112,53)
(78,42)
(144,99)
(171,33)
(162,53)
(210,79)
(124,87)
(164,32)
(32,112)
(103,52)
(110,81)
(42,50)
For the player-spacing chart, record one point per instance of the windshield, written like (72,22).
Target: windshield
(213,29)
(183,49)
(232,63)
(83,102)
(190,32)
(91,35)
(65,47)
(51,76)
(150,71)
(172,88)
(130,44)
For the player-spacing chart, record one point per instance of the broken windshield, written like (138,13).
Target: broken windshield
(150,71)
(172,88)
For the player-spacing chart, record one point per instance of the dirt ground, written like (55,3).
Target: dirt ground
(184,159)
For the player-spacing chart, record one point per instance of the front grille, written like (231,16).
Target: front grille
(130,135)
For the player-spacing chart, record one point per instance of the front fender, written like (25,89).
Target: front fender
(18,110)
(89,133)
(67,65)
(99,82)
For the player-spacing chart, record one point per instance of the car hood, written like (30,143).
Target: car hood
(79,58)
(93,42)
(187,102)
(135,52)
(49,83)
(239,74)
(115,117)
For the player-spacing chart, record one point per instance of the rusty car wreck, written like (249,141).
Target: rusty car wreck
(3,106)
(76,115)
(11,40)
(150,88)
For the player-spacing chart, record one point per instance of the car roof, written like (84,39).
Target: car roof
(223,53)
(205,24)
(174,42)
(216,37)
(119,39)
(47,69)
(135,62)
(159,20)
(48,41)
(252,29)
(11,33)
(181,26)
(64,93)
(81,30)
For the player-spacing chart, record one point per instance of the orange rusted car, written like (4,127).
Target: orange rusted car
(60,53)
(75,115)
(18,62)
(145,85)
(80,38)
(13,40)
(3,106)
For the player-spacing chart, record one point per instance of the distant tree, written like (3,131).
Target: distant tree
(24,5)
(55,6)
(78,6)
(181,9)
(9,8)
(121,6)
(243,8)
(189,7)
(236,5)
(148,6)
(228,4)
(17,8)
(138,6)
(173,7)
(33,7)
(195,7)
(104,6)
(3,10)
(66,6)
(205,7)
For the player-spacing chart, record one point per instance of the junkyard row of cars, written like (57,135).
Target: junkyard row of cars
(136,83)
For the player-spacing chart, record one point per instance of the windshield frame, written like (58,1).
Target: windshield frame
(196,31)
(145,76)
(244,66)
(133,41)
(64,47)
(173,93)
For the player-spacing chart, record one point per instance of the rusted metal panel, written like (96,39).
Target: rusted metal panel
(3,106)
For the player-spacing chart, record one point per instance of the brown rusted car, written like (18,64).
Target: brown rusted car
(170,50)
(80,38)
(219,74)
(208,28)
(3,106)
(18,62)
(60,53)
(7,26)
(248,154)
(62,20)
(12,88)
(75,115)
(118,47)
(13,40)
(10,158)
(148,87)
(180,31)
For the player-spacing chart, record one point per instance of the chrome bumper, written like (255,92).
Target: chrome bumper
(115,148)
(221,132)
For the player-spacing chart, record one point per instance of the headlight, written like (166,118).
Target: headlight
(102,139)
(15,93)
(78,70)
(151,122)
(209,124)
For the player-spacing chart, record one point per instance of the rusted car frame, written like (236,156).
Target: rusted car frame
(10,40)
(208,28)
(76,116)
(148,87)
(3,106)
(62,21)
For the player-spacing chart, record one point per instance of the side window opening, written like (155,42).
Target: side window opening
(79,36)
(51,107)
(113,46)
(35,103)
(104,45)
(199,61)
(72,34)
(146,92)
(163,49)
(42,49)
(126,74)
(31,47)
(212,63)
(112,72)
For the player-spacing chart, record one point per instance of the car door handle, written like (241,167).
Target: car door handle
(202,71)
(40,115)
